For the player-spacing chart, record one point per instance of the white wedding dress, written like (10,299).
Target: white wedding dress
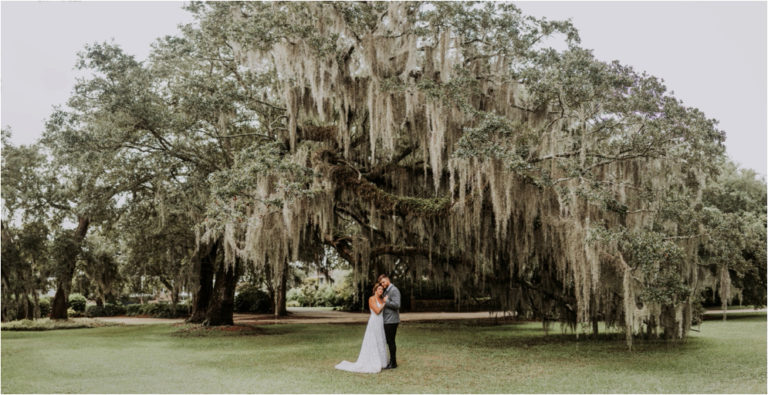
(373,353)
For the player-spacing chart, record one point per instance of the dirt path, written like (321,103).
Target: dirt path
(122,319)
(315,316)
(735,311)
(302,316)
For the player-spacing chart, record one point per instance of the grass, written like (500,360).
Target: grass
(725,357)
(47,324)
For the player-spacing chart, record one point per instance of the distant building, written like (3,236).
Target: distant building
(335,276)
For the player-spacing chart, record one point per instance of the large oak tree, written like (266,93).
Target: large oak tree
(444,134)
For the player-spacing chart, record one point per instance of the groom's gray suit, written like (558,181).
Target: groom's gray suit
(392,306)
(391,320)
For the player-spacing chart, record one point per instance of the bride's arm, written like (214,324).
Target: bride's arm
(372,305)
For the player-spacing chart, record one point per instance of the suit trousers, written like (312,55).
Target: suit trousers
(390,331)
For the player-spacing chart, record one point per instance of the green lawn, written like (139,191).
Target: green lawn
(434,357)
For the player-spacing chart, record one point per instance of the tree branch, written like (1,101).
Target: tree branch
(347,177)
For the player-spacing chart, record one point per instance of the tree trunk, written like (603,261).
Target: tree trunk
(595,321)
(64,282)
(669,322)
(222,303)
(203,283)
(687,319)
(59,303)
(270,287)
(5,297)
(595,328)
(173,291)
(29,308)
(21,307)
(174,297)
(36,298)
(650,328)
(280,307)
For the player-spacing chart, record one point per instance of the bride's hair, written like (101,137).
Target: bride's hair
(375,286)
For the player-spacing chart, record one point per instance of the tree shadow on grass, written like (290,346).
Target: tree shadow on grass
(239,330)
(441,325)
(516,334)
(568,342)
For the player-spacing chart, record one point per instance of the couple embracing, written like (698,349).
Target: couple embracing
(380,332)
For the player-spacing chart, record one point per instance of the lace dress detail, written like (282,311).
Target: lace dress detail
(373,352)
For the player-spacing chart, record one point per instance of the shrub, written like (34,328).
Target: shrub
(45,306)
(304,296)
(77,302)
(182,310)
(345,294)
(113,309)
(158,310)
(133,309)
(95,311)
(108,310)
(310,294)
(49,324)
(251,299)
(325,297)
(155,310)
(72,313)
(293,295)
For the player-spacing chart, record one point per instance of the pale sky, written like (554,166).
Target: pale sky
(711,54)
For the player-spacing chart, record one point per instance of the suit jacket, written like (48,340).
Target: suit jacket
(392,306)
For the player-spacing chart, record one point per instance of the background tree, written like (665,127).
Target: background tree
(25,269)
(32,196)
(100,264)
(153,134)
(77,138)
(734,248)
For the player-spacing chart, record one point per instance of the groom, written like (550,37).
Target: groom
(391,317)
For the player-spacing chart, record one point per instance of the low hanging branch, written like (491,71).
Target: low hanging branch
(348,178)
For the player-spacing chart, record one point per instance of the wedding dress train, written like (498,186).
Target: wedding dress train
(373,353)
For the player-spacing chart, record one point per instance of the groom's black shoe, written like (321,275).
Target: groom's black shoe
(391,365)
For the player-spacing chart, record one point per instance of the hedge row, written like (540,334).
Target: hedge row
(78,308)
(158,310)
(155,310)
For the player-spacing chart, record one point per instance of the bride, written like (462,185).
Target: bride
(373,353)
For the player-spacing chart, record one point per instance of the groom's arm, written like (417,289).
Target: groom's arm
(393,302)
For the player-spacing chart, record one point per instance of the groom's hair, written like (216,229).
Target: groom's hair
(381,277)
